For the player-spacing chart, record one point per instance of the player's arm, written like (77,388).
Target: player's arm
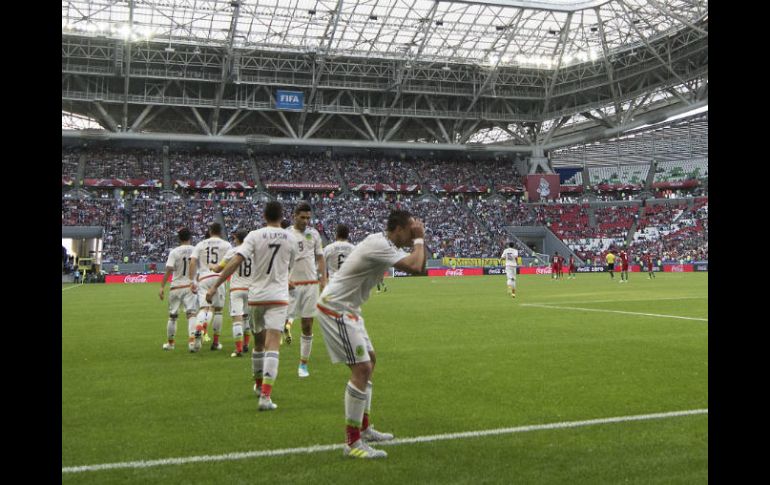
(166,276)
(415,262)
(193,273)
(226,272)
(321,262)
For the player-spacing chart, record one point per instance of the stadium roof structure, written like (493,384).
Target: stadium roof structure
(503,74)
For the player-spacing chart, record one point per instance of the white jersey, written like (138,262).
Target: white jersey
(210,251)
(244,277)
(272,251)
(335,253)
(308,247)
(361,272)
(511,257)
(179,259)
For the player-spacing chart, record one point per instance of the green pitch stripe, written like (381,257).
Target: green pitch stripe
(417,439)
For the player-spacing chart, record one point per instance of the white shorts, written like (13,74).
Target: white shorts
(239,302)
(510,272)
(182,296)
(219,297)
(302,300)
(345,337)
(267,317)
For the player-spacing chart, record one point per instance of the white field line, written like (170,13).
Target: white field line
(612,311)
(624,300)
(416,439)
(71,287)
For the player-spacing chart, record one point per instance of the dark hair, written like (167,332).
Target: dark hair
(302,207)
(184,235)
(273,211)
(285,223)
(343,232)
(398,218)
(206,234)
(241,234)
(511,244)
(215,229)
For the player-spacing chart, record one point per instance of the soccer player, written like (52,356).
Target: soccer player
(272,251)
(611,263)
(178,264)
(647,259)
(572,267)
(623,266)
(339,314)
(554,265)
(511,257)
(304,278)
(336,252)
(239,294)
(207,252)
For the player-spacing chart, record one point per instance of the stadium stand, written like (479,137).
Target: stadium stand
(209,166)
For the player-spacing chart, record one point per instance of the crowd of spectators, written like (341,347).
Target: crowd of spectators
(675,232)
(123,163)
(358,171)
(210,166)
(107,213)
(296,168)
(69,163)
(155,223)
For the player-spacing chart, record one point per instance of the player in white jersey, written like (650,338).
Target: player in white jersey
(304,280)
(336,252)
(345,336)
(240,283)
(272,250)
(511,257)
(207,252)
(178,268)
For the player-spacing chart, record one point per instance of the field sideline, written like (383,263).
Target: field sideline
(455,355)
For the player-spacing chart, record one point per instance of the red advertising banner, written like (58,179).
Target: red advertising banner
(571,188)
(678,268)
(302,186)
(121,182)
(508,189)
(542,186)
(134,278)
(384,187)
(456,272)
(213,184)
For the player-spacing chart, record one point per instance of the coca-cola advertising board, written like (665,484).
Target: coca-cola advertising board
(542,186)
(456,272)
(134,278)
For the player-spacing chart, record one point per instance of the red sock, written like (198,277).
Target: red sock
(365,422)
(205,327)
(353,433)
(216,339)
(238,345)
(198,328)
(171,341)
(267,389)
(246,339)
(258,381)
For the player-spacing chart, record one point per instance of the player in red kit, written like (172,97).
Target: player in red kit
(623,266)
(572,267)
(555,265)
(647,259)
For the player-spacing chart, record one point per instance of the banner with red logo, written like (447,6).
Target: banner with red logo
(134,278)
(678,268)
(115,182)
(213,184)
(302,186)
(542,186)
(384,187)
(456,272)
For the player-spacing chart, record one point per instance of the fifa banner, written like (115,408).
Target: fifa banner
(121,183)
(464,262)
(542,186)
(292,100)
(302,186)
(133,278)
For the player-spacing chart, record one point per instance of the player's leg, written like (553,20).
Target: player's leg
(368,433)
(258,353)
(290,314)
(274,317)
(306,304)
(246,328)
(237,308)
(174,301)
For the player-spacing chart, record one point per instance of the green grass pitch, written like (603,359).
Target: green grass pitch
(454,355)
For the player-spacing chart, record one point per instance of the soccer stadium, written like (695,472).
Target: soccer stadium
(501,205)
